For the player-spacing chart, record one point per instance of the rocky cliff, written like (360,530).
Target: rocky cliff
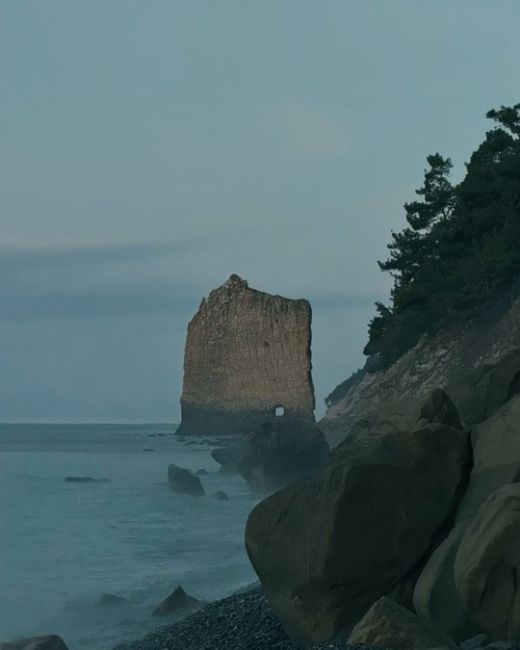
(454,359)
(247,358)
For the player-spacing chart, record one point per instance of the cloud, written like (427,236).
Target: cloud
(312,131)
(42,282)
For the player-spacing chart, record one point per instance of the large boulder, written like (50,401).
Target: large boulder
(280,452)
(496,452)
(49,642)
(487,565)
(359,528)
(183,481)
(388,625)
(435,595)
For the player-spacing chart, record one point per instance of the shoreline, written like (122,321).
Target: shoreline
(243,621)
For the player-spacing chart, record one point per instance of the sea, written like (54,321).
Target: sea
(63,545)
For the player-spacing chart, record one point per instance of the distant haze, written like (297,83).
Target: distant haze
(150,149)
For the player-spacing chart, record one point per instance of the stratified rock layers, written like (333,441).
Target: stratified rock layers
(248,353)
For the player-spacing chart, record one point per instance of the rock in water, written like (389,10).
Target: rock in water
(388,625)
(221,496)
(247,358)
(110,600)
(85,479)
(50,642)
(176,602)
(487,565)
(358,529)
(183,481)
(281,452)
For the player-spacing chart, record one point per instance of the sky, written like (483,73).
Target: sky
(149,149)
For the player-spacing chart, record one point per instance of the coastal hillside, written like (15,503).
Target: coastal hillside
(455,356)
(455,268)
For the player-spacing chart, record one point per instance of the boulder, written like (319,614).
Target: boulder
(487,565)
(388,625)
(50,642)
(435,596)
(183,481)
(496,452)
(358,529)
(280,452)
(178,601)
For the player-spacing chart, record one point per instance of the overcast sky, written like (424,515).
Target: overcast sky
(150,148)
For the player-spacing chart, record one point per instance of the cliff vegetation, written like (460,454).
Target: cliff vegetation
(460,248)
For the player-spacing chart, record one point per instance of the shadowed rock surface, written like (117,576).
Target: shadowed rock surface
(360,528)
(496,452)
(389,625)
(247,354)
(487,565)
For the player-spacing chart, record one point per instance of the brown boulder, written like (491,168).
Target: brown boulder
(358,529)
(487,565)
(388,625)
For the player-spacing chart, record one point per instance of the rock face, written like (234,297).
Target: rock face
(487,565)
(247,356)
(388,625)
(360,528)
(456,359)
(183,481)
(496,452)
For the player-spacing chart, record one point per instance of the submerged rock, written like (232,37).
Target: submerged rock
(388,625)
(85,479)
(221,496)
(109,600)
(247,359)
(327,547)
(184,481)
(50,642)
(177,601)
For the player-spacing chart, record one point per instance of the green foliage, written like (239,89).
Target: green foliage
(461,247)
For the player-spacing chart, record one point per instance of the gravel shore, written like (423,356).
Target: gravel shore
(243,621)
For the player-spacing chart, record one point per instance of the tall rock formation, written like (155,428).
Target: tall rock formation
(247,361)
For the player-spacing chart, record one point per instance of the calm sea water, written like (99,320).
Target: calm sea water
(63,544)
